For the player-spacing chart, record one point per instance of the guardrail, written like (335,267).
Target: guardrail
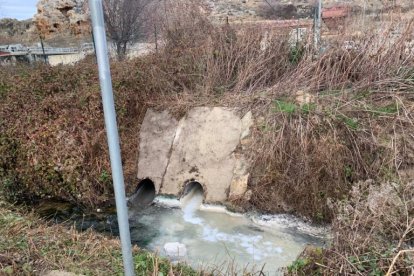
(39,51)
(51,50)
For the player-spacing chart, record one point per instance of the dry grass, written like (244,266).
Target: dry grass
(355,126)
(373,234)
(31,246)
(56,142)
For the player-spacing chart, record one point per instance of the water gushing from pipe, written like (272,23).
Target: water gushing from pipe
(191,201)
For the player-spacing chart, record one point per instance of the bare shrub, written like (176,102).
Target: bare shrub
(240,62)
(222,58)
(374,230)
(353,128)
(373,234)
(56,145)
(272,9)
(126,22)
(380,59)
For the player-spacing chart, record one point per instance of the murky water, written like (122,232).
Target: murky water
(214,237)
(210,236)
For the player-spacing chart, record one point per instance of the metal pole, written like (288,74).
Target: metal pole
(318,25)
(318,28)
(156,37)
(43,49)
(94,47)
(112,132)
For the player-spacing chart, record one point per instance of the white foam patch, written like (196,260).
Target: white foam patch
(167,202)
(287,221)
(219,209)
(250,244)
(276,222)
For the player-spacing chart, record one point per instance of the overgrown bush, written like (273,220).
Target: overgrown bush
(52,134)
(373,234)
(334,120)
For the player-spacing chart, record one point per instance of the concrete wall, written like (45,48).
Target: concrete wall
(205,146)
(65,59)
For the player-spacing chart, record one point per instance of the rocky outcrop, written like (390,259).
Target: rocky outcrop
(14,27)
(252,10)
(13,31)
(62,16)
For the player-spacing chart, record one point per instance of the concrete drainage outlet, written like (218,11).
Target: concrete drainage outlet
(208,144)
(144,194)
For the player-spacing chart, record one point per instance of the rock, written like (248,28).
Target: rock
(247,123)
(248,195)
(239,186)
(13,27)
(304,98)
(175,249)
(62,16)
(156,138)
(240,179)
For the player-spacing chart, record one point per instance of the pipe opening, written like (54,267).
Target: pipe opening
(144,193)
(192,196)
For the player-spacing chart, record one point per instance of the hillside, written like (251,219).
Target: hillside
(65,20)
(13,30)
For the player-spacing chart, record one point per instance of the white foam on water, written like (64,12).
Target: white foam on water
(283,221)
(193,202)
(219,209)
(213,235)
(167,202)
(279,221)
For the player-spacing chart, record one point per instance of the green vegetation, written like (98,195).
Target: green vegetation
(307,108)
(298,265)
(296,53)
(351,123)
(285,107)
(384,110)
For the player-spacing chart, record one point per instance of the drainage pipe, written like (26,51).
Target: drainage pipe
(112,132)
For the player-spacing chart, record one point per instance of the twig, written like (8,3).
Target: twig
(356,269)
(396,258)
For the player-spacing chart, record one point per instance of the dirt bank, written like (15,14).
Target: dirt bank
(321,123)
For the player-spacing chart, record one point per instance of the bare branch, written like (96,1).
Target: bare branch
(126,22)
